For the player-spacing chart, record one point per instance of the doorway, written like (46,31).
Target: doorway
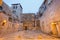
(54,28)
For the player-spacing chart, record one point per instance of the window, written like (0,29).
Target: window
(49,1)
(10,19)
(21,21)
(43,25)
(0,8)
(43,8)
(41,14)
(16,16)
(14,12)
(14,7)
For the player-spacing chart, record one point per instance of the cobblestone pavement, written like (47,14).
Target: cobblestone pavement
(28,35)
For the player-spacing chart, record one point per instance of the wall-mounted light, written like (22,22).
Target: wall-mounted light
(53,23)
(4,22)
(54,28)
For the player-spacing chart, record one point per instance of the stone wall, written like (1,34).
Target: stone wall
(8,27)
(51,14)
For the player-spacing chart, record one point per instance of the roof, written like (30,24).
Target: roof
(18,4)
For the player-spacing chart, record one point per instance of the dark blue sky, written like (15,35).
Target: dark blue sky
(29,6)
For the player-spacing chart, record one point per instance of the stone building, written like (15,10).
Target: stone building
(50,17)
(5,13)
(9,23)
(37,22)
(17,10)
(28,20)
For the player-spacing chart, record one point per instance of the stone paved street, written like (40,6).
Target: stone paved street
(28,35)
(30,20)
